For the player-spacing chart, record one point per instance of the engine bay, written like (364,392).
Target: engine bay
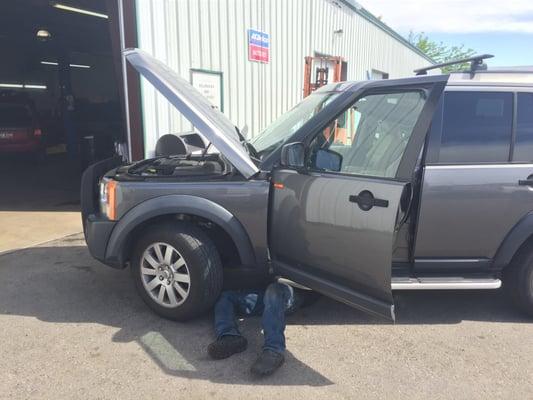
(180,166)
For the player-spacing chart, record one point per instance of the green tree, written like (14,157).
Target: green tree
(441,52)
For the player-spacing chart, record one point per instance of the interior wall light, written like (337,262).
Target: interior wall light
(43,34)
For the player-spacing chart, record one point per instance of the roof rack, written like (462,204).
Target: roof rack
(476,64)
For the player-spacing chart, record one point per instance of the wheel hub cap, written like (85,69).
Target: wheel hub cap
(165,275)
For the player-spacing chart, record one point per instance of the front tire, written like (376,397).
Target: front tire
(177,270)
(518,280)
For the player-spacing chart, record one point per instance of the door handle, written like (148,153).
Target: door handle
(366,200)
(525,182)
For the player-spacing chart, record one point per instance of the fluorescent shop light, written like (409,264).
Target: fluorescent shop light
(20,86)
(71,65)
(11,85)
(34,86)
(79,10)
(80,66)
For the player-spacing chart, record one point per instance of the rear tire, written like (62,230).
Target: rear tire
(190,283)
(518,281)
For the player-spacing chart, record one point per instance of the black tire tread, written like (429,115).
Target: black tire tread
(517,277)
(209,253)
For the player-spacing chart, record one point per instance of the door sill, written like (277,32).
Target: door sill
(335,290)
(436,265)
(446,283)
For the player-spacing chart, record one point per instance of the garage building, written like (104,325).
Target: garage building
(77,101)
(249,56)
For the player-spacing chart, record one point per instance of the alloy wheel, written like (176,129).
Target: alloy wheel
(165,275)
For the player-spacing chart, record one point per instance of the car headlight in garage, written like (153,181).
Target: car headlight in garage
(108,199)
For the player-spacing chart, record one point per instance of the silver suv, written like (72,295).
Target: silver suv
(361,189)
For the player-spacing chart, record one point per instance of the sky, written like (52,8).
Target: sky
(500,27)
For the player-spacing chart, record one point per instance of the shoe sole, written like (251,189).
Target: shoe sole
(262,374)
(223,356)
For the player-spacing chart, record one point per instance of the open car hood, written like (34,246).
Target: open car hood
(210,122)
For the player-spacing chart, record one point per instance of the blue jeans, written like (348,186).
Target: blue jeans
(271,303)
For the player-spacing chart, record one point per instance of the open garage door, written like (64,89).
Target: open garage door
(61,108)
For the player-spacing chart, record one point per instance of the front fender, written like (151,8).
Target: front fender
(512,242)
(179,204)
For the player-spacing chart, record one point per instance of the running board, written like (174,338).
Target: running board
(444,283)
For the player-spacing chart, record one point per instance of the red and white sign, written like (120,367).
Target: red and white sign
(258,46)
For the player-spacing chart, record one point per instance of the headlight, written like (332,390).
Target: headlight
(108,198)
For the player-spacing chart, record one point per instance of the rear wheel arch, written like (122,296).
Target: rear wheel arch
(169,208)
(514,260)
(517,240)
(518,278)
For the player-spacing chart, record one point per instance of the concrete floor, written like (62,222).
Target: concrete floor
(73,328)
(39,201)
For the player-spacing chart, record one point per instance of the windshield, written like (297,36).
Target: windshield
(284,127)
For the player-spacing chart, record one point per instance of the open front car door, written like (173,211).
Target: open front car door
(344,187)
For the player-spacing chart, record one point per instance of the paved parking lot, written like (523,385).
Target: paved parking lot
(73,328)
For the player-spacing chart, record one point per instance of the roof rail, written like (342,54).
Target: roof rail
(476,64)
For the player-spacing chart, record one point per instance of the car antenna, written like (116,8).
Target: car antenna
(476,64)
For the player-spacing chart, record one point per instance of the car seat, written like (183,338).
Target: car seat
(170,145)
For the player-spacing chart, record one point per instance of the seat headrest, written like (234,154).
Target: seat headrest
(170,145)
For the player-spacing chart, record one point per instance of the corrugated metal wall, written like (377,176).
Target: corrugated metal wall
(212,35)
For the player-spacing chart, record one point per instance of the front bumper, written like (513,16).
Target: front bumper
(97,233)
(97,228)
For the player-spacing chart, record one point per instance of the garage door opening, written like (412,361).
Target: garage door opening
(61,102)
(60,106)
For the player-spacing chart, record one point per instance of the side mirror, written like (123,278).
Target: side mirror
(328,160)
(293,155)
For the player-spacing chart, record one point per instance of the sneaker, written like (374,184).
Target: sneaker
(268,362)
(227,346)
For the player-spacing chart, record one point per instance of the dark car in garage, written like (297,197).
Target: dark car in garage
(20,128)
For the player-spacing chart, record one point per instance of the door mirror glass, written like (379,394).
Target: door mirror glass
(293,155)
(328,160)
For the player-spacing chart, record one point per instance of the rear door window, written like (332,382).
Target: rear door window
(523,148)
(474,127)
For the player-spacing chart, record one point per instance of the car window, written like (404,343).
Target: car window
(475,127)
(285,126)
(14,114)
(370,137)
(523,147)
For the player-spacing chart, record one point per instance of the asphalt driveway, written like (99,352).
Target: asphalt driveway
(73,328)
